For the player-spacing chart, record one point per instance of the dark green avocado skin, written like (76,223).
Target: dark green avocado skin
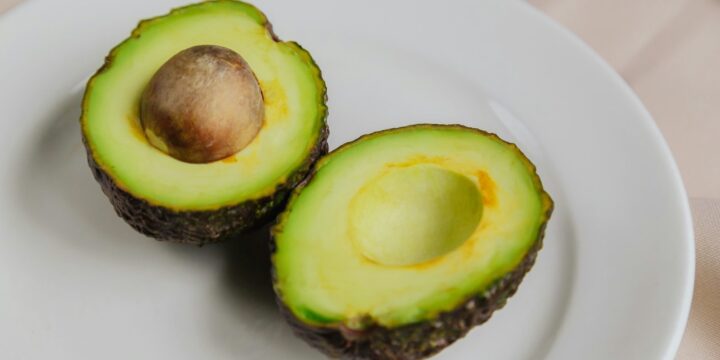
(208,226)
(419,340)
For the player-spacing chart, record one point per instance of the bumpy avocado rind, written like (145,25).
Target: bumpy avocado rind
(192,216)
(419,340)
(413,336)
(201,227)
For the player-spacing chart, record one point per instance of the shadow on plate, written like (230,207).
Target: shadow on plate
(247,268)
(257,329)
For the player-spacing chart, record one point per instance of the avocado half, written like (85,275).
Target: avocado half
(169,199)
(403,240)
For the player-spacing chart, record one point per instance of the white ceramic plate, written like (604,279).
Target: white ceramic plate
(613,281)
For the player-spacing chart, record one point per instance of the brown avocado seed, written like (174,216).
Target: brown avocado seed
(202,105)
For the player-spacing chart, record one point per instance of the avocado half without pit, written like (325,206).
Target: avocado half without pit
(403,240)
(199,124)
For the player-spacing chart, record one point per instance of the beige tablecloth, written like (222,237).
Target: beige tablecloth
(669,52)
(702,337)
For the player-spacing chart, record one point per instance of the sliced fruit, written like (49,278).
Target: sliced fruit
(403,240)
(199,124)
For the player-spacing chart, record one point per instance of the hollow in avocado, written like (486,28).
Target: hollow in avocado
(405,239)
(199,124)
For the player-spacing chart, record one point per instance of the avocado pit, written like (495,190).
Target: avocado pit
(204,104)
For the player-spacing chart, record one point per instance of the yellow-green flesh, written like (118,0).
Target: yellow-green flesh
(291,86)
(426,210)
(401,225)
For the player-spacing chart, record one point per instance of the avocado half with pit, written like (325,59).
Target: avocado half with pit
(404,239)
(199,124)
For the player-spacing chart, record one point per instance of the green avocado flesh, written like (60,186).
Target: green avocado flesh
(292,89)
(400,226)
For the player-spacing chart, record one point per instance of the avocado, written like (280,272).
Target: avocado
(201,122)
(402,240)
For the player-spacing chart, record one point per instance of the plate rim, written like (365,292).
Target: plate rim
(652,128)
